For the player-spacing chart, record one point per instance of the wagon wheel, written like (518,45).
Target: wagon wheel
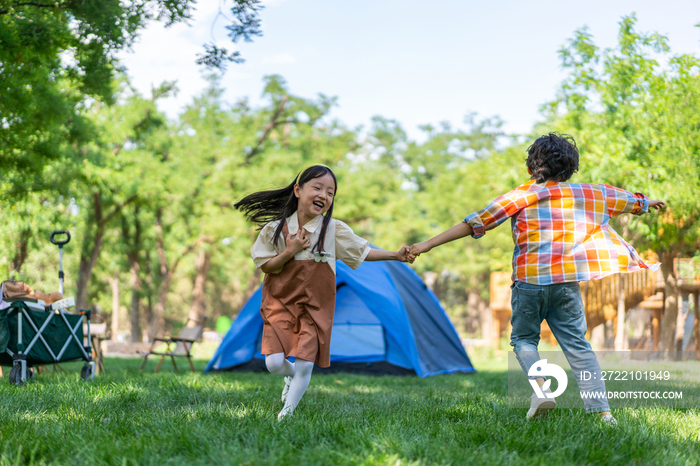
(86,372)
(16,375)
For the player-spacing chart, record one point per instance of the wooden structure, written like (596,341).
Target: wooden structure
(610,298)
(688,276)
(687,272)
(604,300)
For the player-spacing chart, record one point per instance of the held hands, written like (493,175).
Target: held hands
(416,250)
(657,205)
(404,256)
(298,242)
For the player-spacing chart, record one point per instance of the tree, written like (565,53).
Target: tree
(635,119)
(57,56)
(118,168)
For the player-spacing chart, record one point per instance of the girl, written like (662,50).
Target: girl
(297,249)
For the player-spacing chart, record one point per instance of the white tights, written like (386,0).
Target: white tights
(300,370)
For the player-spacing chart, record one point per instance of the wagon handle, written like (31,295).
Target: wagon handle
(60,255)
(60,243)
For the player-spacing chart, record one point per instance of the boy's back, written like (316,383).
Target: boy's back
(561,230)
(562,236)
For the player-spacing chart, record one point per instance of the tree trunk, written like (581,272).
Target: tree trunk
(486,323)
(198,292)
(470,319)
(157,320)
(87,264)
(114,282)
(135,285)
(166,274)
(148,290)
(88,257)
(21,252)
(131,235)
(668,322)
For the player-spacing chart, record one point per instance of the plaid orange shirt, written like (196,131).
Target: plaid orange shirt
(561,230)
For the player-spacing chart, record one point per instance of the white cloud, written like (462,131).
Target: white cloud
(279,59)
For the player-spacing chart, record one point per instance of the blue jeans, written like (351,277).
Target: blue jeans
(561,306)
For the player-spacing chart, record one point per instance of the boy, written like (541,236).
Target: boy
(562,237)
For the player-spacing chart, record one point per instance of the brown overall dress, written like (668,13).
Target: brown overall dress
(297,310)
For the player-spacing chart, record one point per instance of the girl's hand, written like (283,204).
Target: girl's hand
(657,205)
(405,256)
(298,242)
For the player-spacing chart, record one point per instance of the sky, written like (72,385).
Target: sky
(414,61)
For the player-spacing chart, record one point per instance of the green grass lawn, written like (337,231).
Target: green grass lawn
(125,417)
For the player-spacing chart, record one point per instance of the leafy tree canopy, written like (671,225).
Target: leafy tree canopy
(57,56)
(633,111)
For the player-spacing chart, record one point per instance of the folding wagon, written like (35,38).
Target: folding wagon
(34,334)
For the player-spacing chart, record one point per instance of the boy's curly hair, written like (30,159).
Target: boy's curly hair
(552,157)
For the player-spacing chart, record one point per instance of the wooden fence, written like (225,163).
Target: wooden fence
(604,300)
(609,299)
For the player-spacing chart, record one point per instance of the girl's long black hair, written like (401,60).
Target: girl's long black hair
(267,206)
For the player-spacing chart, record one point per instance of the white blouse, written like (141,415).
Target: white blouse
(340,243)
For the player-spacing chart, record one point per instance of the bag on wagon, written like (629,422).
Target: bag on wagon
(17,291)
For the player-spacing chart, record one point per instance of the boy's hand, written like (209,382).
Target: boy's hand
(657,205)
(418,249)
(404,256)
(298,242)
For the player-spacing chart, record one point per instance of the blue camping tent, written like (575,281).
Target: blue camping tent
(386,320)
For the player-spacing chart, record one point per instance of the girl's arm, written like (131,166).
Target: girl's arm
(456,232)
(353,250)
(295,245)
(380,255)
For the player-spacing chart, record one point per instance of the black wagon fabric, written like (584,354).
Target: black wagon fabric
(4,331)
(56,334)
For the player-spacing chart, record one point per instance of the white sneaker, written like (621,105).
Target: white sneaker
(609,420)
(286,412)
(285,390)
(540,407)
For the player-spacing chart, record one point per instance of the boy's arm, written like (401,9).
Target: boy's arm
(620,201)
(476,224)
(456,232)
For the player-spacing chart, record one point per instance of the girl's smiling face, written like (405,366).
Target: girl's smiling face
(315,196)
